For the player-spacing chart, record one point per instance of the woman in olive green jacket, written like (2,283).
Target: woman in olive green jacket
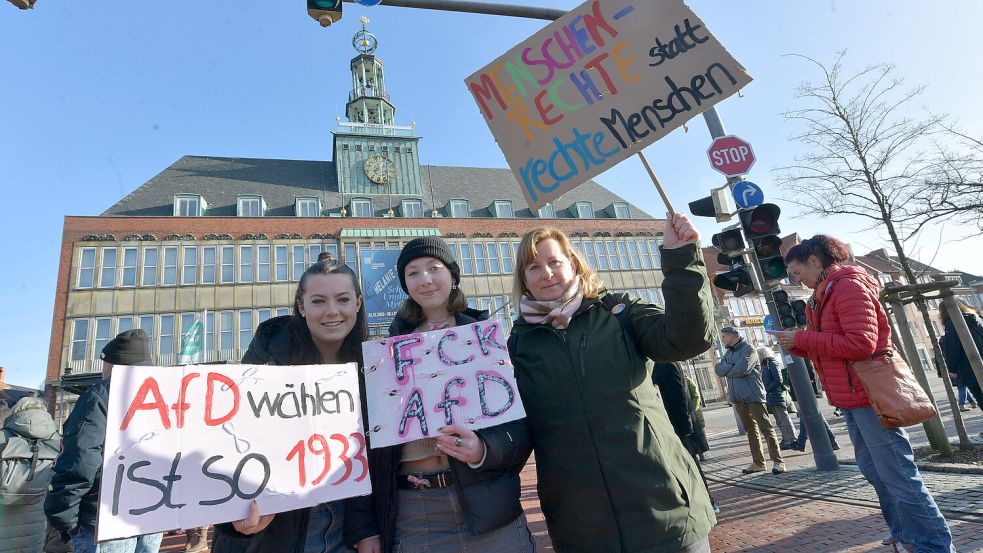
(613,476)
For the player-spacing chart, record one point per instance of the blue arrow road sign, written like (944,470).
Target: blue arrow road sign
(369,2)
(770,322)
(748,195)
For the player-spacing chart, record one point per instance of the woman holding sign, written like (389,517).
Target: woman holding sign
(613,476)
(328,326)
(460,490)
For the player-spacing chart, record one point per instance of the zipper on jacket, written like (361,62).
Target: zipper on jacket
(583,348)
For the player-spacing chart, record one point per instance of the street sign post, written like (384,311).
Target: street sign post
(731,155)
(747,194)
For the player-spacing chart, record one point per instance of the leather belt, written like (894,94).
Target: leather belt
(425,481)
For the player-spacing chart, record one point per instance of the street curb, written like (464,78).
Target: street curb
(935,467)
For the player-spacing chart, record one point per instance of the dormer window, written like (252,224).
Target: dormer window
(412,208)
(584,210)
(361,207)
(547,212)
(189,205)
(307,207)
(250,206)
(459,208)
(503,209)
(621,211)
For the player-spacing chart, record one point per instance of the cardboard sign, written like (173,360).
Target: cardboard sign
(597,85)
(416,383)
(383,295)
(191,446)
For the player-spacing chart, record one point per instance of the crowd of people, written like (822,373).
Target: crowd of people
(618,459)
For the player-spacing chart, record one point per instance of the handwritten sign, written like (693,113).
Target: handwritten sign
(416,383)
(597,85)
(191,446)
(383,295)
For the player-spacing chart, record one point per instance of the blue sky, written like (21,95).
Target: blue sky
(99,97)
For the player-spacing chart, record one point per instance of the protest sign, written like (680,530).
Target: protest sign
(191,446)
(416,383)
(596,86)
(383,295)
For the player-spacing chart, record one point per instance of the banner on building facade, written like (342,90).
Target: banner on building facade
(380,285)
(596,86)
(417,383)
(191,446)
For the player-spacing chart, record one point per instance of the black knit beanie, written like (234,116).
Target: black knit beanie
(428,246)
(128,348)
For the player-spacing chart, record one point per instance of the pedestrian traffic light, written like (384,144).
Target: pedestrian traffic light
(761,228)
(714,205)
(325,12)
(737,280)
(792,313)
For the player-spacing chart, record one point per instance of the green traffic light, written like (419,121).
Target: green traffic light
(326,4)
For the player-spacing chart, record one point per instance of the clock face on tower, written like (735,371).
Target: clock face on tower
(380,169)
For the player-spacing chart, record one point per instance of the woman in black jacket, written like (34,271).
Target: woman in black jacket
(328,326)
(955,356)
(460,490)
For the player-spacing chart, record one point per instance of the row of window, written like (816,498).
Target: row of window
(193,205)
(130,266)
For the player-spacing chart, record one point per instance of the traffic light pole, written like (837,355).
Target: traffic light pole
(487,8)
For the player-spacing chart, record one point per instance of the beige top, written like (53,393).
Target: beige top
(426,447)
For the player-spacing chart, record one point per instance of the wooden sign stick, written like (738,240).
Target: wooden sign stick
(658,185)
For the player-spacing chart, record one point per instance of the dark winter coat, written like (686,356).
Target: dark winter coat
(847,324)
(680,407)
(23,527)
(489,495)
(612,475)
(288,530)
(74,496)
(955,356)
(771,376)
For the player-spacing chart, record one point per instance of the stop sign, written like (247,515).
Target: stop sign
(731,156)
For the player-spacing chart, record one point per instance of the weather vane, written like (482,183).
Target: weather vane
(364,41)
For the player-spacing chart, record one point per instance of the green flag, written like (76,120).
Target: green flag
(192,345)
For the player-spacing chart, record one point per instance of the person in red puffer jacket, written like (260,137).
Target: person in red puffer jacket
(847,323)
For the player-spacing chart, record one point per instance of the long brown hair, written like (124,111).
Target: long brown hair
(828,251)
(590,283)
(412,313)
(303,351)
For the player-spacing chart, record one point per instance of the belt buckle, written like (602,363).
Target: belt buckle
(441,479)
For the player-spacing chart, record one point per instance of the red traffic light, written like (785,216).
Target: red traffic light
(761,221)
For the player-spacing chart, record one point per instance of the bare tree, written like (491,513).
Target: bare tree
(954,191)
(866,157)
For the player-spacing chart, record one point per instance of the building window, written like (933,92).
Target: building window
(245,328)
(166,344)
(602,256)
(459,208)
(250,206)
(644,254)
(503,209)
(281,263)
(589,253)
(262,315)
(351,259)
(245,263)
(149,267)
(107,274)
(466,267)
(612,255)
(189,269)
(623,254)
(633,255)
(129,267)
(123,324)
(209,334)
(584,210)
(493,266)
(480,267)
(80,335)
(361,207)
(208,265)
(506,257)
(228,264)
(227,331)
(621,211)
(187,321)
(147,325)
(547,212)
(654,252)
(299,262)
(412,208)
(263,264)
(333,250)
(87,267)
(307,207)
(170,265)
(188,206)
(656,296)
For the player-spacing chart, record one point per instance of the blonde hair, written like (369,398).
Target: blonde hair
(590,284)
(765,352)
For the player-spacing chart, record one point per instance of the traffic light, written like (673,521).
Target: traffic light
(761,228)
(737,279)
(325,12)
(715,205)
(729,242)
(792,313)
(23,4)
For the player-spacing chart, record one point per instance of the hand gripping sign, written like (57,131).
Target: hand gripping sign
(191,446)
(417,383)
(596,86)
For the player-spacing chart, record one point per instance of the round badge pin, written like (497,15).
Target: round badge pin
(617,309)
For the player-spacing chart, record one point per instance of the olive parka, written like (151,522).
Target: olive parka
(612,475)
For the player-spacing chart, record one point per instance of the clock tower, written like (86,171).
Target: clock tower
(373,155)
